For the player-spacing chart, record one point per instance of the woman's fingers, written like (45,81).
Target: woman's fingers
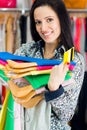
(57,76)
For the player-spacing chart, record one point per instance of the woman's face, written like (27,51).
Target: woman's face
(47,24)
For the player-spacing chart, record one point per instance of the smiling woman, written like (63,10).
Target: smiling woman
(51,33)
(47,25)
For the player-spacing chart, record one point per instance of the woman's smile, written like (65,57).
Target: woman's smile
(47,24)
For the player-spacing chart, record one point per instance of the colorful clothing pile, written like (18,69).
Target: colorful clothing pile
(34,77)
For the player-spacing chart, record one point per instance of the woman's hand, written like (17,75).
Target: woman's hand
(57,76)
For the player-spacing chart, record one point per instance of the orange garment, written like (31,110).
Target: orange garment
(19,92)
(32,102)
(76,4)
(14,64)
(25,96)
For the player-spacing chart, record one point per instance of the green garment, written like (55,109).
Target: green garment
(38,81)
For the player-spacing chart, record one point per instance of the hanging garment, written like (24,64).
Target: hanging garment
(29,37)
(77,35)
(74,4)
(7,3)
(23,28)
(10,35)
(2,32)
(17,39)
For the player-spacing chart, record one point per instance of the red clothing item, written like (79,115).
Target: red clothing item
(78,26)
(3,94)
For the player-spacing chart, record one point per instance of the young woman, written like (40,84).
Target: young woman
(51,33)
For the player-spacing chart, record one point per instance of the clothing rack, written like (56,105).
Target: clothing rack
(80,13)
(21,10)
(77,10)
(24,10)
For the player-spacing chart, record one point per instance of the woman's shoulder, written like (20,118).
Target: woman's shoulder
(80,64)
(78,57)
(27,49)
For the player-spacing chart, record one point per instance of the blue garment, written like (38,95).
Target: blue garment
(6,56)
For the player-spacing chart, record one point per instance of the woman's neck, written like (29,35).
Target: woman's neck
(48,51)
(48,55)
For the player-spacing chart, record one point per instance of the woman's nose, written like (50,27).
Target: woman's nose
(43,27)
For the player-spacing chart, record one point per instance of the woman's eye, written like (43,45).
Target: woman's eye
(49,20)
(37,22)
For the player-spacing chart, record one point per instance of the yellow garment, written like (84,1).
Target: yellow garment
(3,111)
(2,66)
(76,4)
(35,72)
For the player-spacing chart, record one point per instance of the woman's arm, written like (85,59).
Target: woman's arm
(65,104)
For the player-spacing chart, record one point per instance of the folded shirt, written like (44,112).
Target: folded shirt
(6,56)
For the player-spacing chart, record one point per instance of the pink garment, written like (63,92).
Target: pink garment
(71,67)
(3,62)
(44,67)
